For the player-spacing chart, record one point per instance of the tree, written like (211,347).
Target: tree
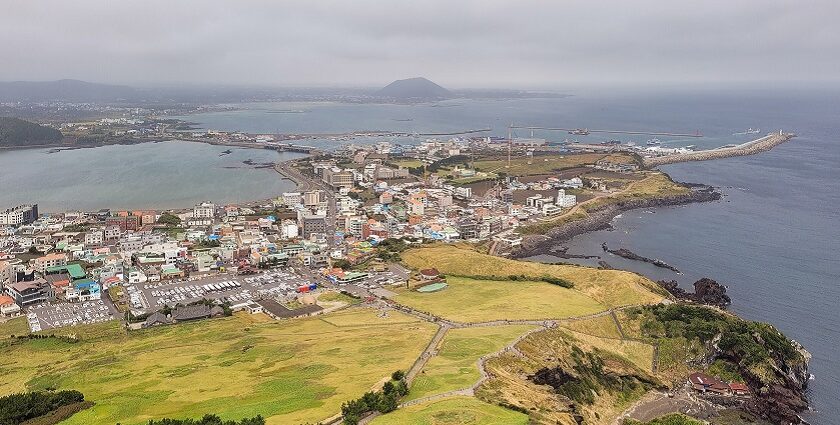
(398,375)
(169,219)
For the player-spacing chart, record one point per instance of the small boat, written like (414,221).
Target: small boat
(653,142)
(748,131)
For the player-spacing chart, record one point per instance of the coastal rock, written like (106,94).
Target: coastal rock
(630,255)
(780,397)
(706,291)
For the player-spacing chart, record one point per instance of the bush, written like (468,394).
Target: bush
(208,420)
(16,408)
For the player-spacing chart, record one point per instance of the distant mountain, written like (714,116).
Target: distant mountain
(17,132)
(63,90)
(414,88)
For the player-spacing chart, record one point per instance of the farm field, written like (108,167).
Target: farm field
(288,371)
(611,288)
(541,164)
(454,367)
(453,411)
(472,300)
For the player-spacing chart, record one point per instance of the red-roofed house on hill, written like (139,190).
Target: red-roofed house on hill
(703,383)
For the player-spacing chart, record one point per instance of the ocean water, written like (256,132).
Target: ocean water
(148,175)
(774,239)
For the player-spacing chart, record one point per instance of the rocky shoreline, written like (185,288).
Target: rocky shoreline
(600,219)
(630,255)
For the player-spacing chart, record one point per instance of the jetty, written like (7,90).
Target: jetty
(749,148)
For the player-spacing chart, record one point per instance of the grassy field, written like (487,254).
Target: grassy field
(609,287)
(556,348)
(471,300)
(16,326)
(453,411)
(602,326)
(288,371)
(408,163)
(542,164)
(454,367)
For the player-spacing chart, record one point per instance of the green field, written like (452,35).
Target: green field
(609,287)
(453,411)
(288,371)
(16,326)
(471,300)
(541,164)
(454,367)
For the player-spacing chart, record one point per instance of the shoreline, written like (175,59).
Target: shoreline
(601,218)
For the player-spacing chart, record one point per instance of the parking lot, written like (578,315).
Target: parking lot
(151,296)
(55,315)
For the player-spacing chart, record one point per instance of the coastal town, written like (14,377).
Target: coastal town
(337,241)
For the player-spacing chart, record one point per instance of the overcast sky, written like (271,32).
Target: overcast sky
(477,43)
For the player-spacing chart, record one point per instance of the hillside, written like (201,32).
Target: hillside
(414,88)
(63,90)
(17,132)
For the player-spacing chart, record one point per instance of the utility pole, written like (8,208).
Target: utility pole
(510,142)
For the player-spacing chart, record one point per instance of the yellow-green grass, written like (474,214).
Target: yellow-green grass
(453,411)
(541,164)
(455,365)
(472,300)
(638,353)
(16,326)
(612,288)
(288,371)
(601,326)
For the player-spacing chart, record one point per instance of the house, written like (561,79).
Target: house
(704,383)
(8,306)
(155,319)
(41,264)
(25,293)
(191,312)
(429,274)
(738,388)
(276,311)
(195,312)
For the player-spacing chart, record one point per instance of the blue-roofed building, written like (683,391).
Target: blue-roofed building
(84,290)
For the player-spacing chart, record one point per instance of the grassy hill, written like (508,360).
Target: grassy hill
(17,132)
(290,371)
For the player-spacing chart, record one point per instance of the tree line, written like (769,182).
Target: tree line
(17,408)
(383,401)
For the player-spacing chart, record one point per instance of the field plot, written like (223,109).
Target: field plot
(611,288)
(290,372)
(540,164)
(454,367)
(453,411)
(472,300)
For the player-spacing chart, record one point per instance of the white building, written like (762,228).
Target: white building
(95,237)
(565,201)
(204,210)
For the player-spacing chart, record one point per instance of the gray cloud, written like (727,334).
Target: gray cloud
(471,43)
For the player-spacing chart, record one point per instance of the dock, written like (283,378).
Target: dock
(762,144)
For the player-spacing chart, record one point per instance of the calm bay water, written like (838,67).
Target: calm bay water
(148,175)
(774,239)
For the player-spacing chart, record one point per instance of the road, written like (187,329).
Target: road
(306,184)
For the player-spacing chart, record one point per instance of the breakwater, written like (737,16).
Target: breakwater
(750,148)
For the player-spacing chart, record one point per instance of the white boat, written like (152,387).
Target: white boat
(748,131)
(653,142)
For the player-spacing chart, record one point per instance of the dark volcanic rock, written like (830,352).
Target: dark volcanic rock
(706,291)
(709,292)
(630,255)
